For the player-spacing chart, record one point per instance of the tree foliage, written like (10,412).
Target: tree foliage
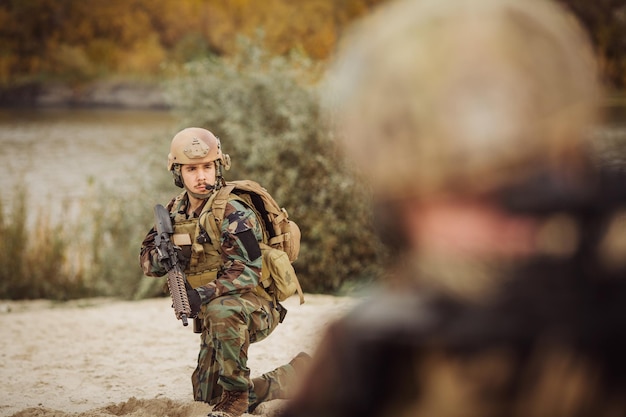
(77,40)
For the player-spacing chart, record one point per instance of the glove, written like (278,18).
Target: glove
(194,302)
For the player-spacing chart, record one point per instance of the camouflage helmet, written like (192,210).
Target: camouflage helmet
(432,97)
(195,145)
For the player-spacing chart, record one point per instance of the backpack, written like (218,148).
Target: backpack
(281,236)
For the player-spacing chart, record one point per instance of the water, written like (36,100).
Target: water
(56,155)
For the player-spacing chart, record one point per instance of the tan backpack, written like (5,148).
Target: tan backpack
(281,236)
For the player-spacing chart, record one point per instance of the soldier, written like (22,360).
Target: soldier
(225,295)
(469,119)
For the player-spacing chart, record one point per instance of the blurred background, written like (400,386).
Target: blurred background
(91,93)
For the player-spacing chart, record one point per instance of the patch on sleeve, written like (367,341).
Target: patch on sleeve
(237,222)
(239,225)
(250,244)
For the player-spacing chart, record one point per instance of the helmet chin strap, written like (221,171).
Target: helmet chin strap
(199,196)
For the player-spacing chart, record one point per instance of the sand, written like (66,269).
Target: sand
(104,357)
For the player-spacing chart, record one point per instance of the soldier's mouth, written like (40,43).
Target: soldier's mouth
(204,187)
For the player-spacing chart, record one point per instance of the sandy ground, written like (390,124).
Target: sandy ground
(102,357)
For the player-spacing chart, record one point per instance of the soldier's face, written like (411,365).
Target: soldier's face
(471,228)
(197,176)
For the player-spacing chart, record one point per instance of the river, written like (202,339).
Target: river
(56,155)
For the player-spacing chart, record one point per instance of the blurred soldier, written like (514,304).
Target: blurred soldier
(469,120)
(234,311)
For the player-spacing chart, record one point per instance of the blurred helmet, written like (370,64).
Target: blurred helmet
(433,96)
(195,145)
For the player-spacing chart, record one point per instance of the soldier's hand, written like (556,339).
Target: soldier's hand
(183,253)
(194,301)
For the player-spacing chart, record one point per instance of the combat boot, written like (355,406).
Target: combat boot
(301,363)
(231,404)
(280,383)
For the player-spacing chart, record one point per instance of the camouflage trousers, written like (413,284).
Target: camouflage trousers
(230,324)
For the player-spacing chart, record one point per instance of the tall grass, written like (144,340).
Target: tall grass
(91,251)
(33,263)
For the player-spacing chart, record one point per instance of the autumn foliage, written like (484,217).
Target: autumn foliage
(75,40)
(78,40)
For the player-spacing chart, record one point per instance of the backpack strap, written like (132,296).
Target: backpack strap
(212,215)
(218,203)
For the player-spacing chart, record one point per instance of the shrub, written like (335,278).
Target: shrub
(266,111)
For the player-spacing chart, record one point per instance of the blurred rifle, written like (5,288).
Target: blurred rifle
(591,200)
(168,257)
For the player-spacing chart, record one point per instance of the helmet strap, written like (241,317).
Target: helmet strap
(200,196)
(178,177)
(219,177)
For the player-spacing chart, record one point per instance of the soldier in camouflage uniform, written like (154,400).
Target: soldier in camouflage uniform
(225,294)
(507,295)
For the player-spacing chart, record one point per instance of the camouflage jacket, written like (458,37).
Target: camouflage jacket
(240,255)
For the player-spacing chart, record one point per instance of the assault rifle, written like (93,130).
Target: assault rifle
(169,259)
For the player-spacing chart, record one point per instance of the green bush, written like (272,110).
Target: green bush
(268,118)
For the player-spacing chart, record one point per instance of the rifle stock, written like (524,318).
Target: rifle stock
(169,259)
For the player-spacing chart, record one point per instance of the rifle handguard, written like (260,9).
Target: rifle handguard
(176,284)
(169,258)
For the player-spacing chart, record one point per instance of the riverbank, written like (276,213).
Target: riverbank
(148,95)
(119,94)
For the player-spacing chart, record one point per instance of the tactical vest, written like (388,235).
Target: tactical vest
(203,235)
